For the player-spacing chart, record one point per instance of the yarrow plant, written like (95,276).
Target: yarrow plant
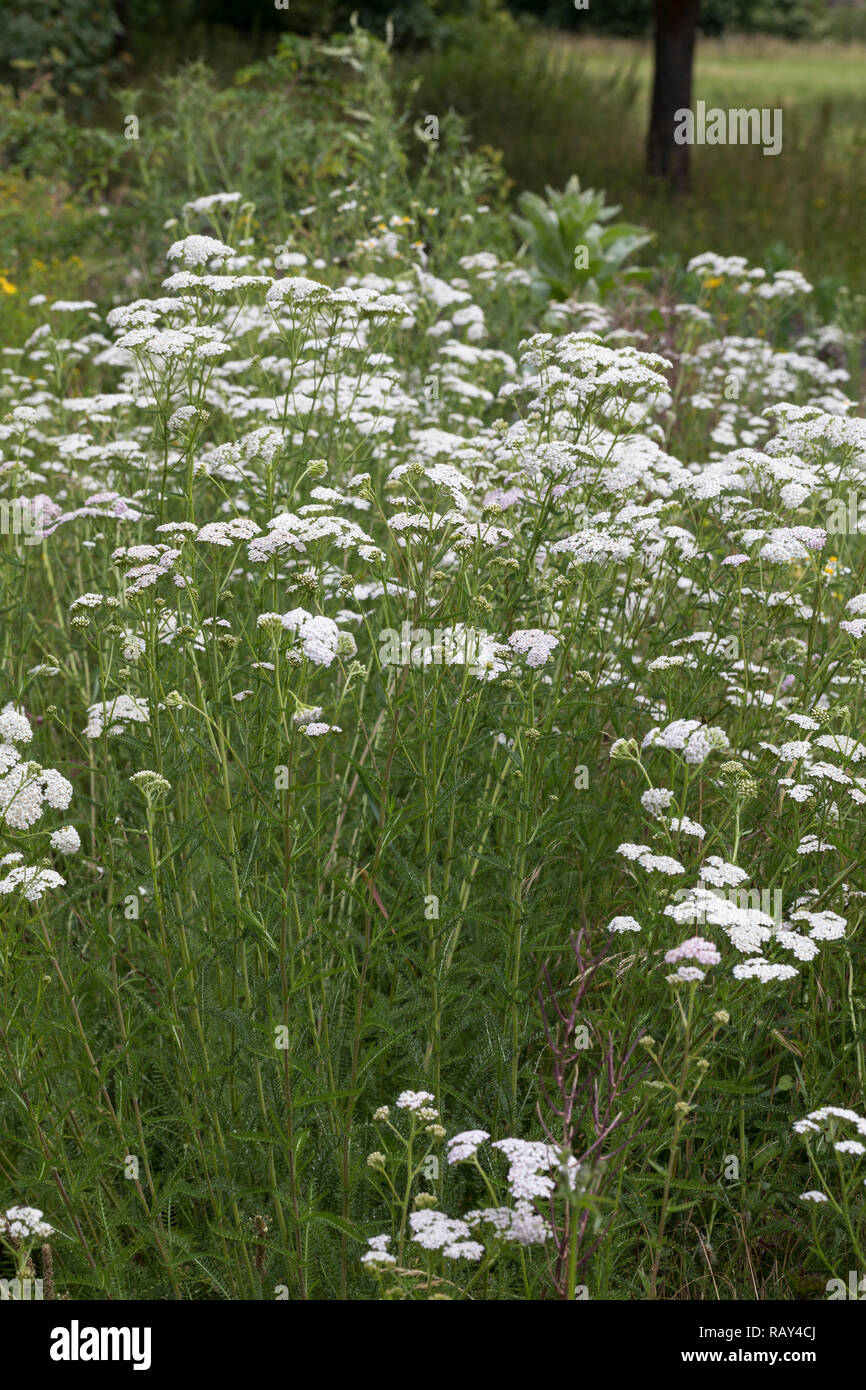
(420,681)
(422,1254)
(836,1137)
(21,1228)
(27,791)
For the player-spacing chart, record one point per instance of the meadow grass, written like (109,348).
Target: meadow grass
(557,105)
(733,71)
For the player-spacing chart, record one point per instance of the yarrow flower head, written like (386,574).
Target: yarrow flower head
(414,1100)
(33,882)
(378,1256)
(66,840)
(535,645)
(656,800)
(152,785)
(198,250)
(623,924)
(24,1225)
(433,1230)
(14,725)
(687,974)
(694,740)
(697,948)
(465,1145)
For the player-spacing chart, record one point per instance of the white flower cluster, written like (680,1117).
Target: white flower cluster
(113,716)
(198,250)
(24,1224)
(534,1169)
(814,1121)
(649,862)
(535,645)
(433,1230)
(694,740)
(318,636)
(26,788)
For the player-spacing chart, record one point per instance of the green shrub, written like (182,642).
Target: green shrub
(571,246)
(69,44)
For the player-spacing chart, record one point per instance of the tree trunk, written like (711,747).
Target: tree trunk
(123,35)
(672,89)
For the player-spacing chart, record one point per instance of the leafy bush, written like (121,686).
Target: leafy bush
(69,43)
(573,249)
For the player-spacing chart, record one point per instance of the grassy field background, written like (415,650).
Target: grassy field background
(558,105)
(550,105)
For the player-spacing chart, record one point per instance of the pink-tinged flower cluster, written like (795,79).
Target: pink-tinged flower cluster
(697,948)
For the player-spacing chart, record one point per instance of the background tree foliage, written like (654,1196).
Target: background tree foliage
(81,46)
(630,18)
(73,44)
